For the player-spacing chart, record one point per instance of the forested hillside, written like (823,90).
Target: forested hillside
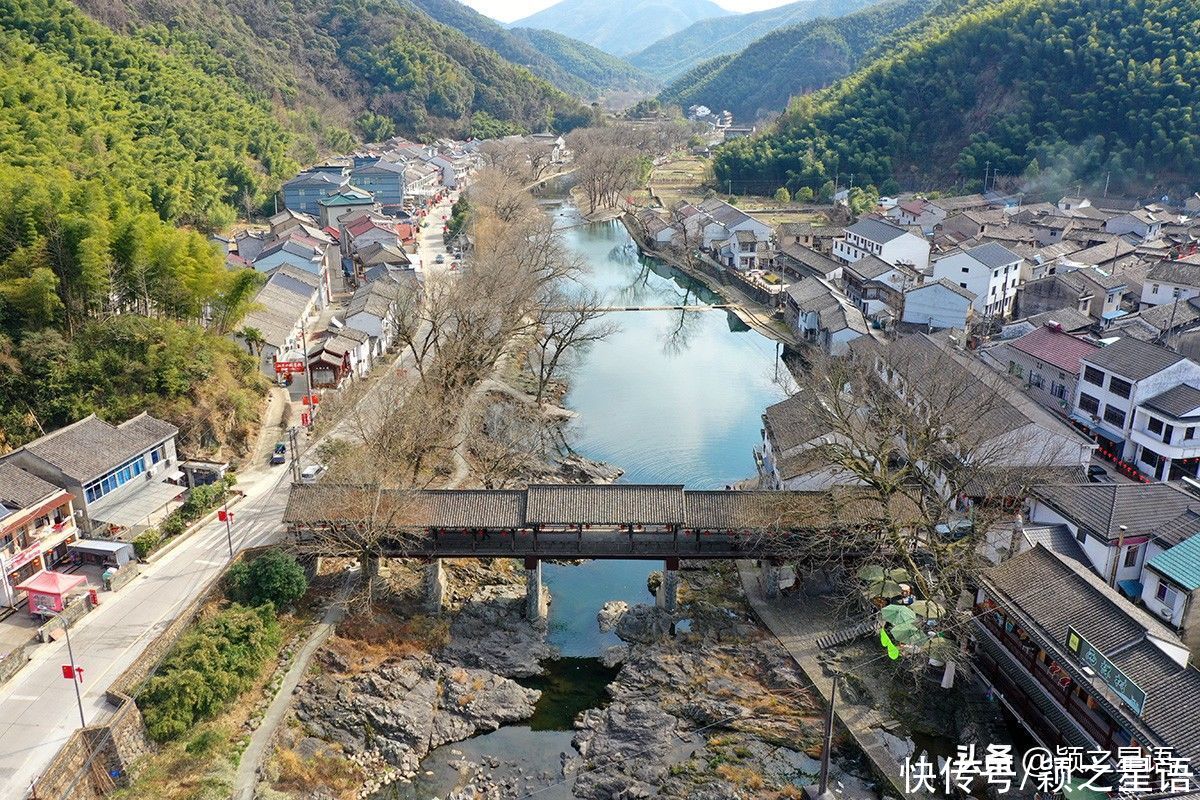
(105,144)
(797,59)
(1049,89)
(571,65)
(672,56)
(382,65)
(621,27)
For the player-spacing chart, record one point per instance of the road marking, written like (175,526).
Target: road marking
(210,563)
(22,697)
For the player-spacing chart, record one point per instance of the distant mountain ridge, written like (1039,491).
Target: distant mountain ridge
(796,59)
(571,65)
(673,55)
(1044,92)
(621,27)
(384,65)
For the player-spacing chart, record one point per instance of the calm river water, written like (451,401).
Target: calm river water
(673,397)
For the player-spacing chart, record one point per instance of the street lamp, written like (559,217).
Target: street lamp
(70,656)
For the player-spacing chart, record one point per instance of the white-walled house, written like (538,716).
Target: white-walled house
(350,200)
(938,304)
(818,316)
(1143,539)
(883,240)
(725,221)
(1140,223)
(990,271)
(1166,433)
(1168,281)
(1117,378)
(790,456)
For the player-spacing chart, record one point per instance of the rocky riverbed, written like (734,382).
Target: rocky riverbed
(718,711)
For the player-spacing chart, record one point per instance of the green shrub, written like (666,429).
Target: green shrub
(173,525)
(782,195)
(146,543)
(274,577)
(208,669)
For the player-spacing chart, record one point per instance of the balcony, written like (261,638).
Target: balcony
(1180,448)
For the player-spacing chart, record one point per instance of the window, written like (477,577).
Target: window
(1119,387)
(1085,305)
(1154,289)
(1131,555)
(1093,376)
(1165,594)
(963,285)
(115,479)
(1036,380)
(1114,415)
(996,273)
(1015,369)
(1176,292)
(1190,433)
(1155,425)
(966,270)
(1088,403)
(1081,536)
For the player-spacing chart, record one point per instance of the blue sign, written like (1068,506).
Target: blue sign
(1113,678)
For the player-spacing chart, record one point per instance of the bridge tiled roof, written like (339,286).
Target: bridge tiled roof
(600,504)
(554,505)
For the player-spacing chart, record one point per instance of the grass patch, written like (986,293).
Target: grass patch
(303,774)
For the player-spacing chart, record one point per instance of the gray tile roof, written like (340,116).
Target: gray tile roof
(1101,508)
(945,283)
(1133,359)
(1057,538)
(1054,594)
(91,447)
(20,489)
(477,508)
(789,423)
(993,255)
(808,258)
(870,267)
(594,505)
(1179,529)
(1178,272)
(876,230)
(1179,401)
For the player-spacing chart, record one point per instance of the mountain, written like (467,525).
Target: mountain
(621,27)
(1047,91)
(673,55)
(792,60)
(571,65)
(383,64)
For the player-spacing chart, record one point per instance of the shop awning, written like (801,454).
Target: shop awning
(127,509)
(46,582)
(121,552)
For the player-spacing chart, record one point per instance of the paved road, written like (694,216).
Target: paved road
(37,709)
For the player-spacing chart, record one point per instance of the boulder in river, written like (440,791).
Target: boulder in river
(490,633)
(610,614)
(644,624)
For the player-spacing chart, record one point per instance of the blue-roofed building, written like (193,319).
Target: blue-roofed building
(305,191)
(1171,584)
(383,179)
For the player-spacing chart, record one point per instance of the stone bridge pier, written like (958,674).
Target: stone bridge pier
(434,585)
(667,597)
(536,601)
(770,577)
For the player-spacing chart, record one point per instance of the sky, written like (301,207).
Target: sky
(509,10)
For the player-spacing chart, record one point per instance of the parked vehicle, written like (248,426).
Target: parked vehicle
(280,454)
(310,473)
(441,259)
(1098,474)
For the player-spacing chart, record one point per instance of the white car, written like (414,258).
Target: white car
(310,473)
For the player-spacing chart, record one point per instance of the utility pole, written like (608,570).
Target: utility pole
(821,790)
(229,519)
(293,436)
(308,387)
(75,678)
(1107,178)
(987,167)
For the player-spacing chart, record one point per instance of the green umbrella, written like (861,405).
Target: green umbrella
(882,588)
(909,634)
(898,615)
(872,573)
(928,609)
(899,575)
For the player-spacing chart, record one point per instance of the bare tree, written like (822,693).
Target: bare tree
(569,325)
(929,438)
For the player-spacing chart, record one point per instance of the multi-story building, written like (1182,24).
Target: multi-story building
(37,523)
(304,192)
(991,271)
(1115,379)
(874,237)
(122,477)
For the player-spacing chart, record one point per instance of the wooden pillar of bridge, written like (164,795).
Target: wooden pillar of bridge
(435,586)
(667,597)
(770,578)
(535,598)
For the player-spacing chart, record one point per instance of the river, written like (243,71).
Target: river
(672,397)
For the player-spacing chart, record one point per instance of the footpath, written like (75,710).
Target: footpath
(798,631)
